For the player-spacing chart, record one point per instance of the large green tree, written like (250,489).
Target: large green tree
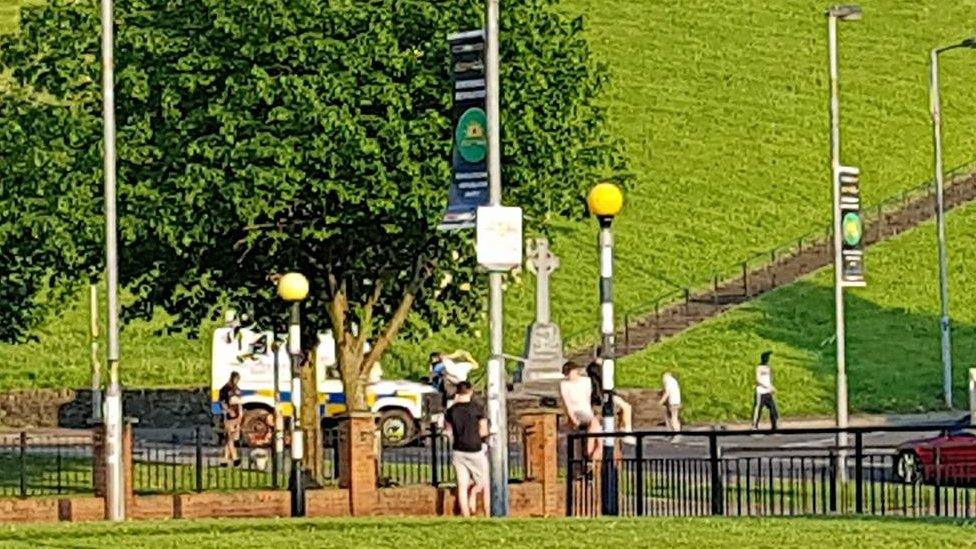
(262,137)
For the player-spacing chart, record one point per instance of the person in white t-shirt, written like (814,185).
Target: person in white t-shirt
(764,392)
(671,400)
(577,393)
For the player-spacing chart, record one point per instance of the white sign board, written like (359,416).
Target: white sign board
(499,237)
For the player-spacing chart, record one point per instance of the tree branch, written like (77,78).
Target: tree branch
(367,319)
(383,343)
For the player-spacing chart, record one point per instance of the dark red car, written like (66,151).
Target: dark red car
(949,458)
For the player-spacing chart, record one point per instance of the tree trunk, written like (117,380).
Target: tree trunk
(353,384)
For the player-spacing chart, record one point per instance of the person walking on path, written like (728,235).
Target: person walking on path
(467,427)
(671,400)
(764,392)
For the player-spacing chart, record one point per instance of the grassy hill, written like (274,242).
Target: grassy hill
(723,110)
(893,345)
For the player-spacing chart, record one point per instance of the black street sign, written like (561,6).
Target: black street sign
(469,182)
(851,226)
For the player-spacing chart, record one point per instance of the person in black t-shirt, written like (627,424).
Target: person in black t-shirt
(594,370)
(467,426)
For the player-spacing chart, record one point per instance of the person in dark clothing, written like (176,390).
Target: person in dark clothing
(229,397)
(467,426)
(594,371)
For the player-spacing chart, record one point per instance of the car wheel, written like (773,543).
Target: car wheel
(397,428)
(257,428)
(908,468)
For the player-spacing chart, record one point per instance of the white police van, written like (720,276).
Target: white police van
(404,408)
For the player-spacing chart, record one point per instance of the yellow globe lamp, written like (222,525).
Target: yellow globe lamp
(293,287)
(605,200)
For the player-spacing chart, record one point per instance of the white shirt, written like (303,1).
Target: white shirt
(672,391)
(764,380)
(576,394)
(458,371)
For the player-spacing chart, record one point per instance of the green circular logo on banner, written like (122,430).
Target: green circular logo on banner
(471,135)
(852,229)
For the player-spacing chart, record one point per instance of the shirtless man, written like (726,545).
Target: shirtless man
(577,394)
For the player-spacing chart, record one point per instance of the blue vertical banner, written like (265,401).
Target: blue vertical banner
(469,179)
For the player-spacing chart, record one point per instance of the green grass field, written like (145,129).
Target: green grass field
(893,352)
(409,533)
(723,110)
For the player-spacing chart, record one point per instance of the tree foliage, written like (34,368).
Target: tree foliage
(261,137)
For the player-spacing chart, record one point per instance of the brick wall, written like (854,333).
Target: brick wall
(29,510)
(541,495)
(327,503)
(151,508)
(252,503)
(81,509)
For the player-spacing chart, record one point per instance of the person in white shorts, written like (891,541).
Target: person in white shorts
(577,393)
(671,400)
(467,427)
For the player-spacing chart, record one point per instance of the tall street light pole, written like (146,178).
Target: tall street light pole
(293,288)
(835,14)
(497,411)
(605,201)
(945,329)
(115,491)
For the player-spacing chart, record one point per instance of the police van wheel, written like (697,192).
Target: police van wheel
(397,428)
(257,428)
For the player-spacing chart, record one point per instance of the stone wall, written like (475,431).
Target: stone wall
(155,408)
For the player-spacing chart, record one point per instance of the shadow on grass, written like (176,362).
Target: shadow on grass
(893,355)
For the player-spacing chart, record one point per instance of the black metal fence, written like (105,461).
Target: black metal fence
(427,460)
(921,471)
(193,460)
(39,464)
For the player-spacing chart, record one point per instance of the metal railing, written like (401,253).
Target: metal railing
(427,460)
(40,464)
(744,275)
(194,461)
(785,473)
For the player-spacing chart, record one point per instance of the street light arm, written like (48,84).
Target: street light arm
(968,43)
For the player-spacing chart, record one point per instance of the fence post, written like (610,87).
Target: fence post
(23,464)
(713,462)
(832,468)
(570,479)
(657,321)
(435,477)
(938,482)
(198,461)
(275,466)
(715,289)
(858,473)
(639,509)
(745,278)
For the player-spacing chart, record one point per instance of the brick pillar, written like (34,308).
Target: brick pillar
(359,462)
(128,485)
(541,456)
